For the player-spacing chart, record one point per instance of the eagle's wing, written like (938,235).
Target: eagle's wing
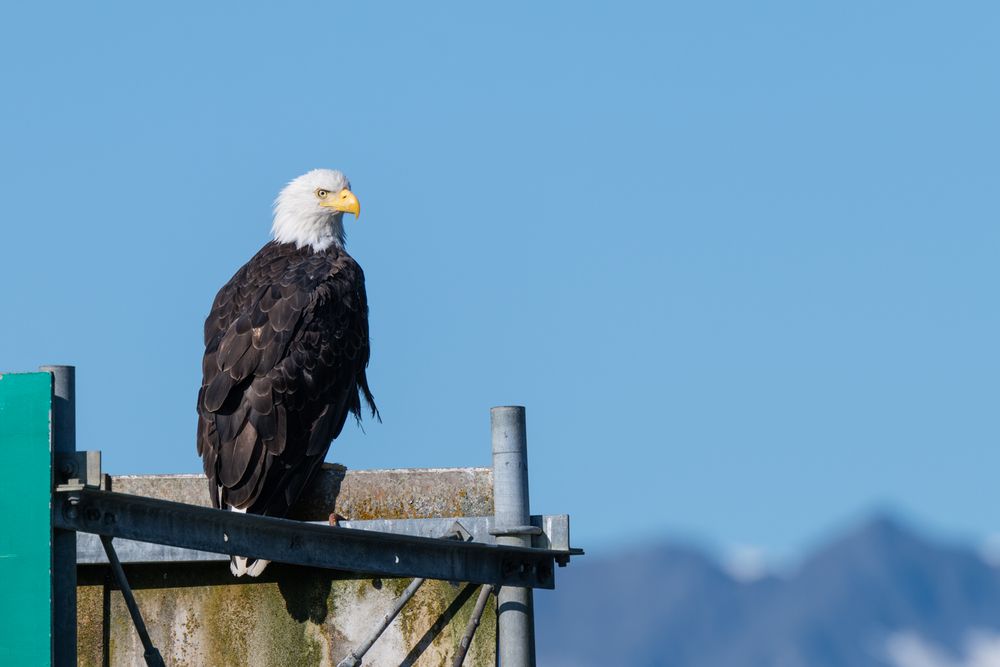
(285,357)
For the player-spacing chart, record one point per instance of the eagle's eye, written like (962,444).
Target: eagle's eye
(321,193)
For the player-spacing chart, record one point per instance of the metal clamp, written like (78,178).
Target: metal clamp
(76,470)
(516,531)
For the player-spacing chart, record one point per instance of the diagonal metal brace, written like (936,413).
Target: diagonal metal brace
(151,655)
(456,532)
(470,628)
(353,658)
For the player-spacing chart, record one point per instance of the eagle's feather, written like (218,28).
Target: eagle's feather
(286,347)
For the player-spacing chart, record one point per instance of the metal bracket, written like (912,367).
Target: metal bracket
(78,470)
(458,532)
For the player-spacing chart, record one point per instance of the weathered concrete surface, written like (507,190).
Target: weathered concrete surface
(198,615)
(408,493)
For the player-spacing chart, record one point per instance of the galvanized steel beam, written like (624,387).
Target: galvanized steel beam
(553,534)
(348,549)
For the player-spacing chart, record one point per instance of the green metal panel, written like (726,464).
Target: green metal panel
(25,552)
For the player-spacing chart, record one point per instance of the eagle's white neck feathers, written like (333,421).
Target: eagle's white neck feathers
(298,217)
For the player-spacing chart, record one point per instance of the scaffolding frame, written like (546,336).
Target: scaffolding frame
(511,567)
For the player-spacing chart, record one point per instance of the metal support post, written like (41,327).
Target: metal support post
(515,614)
(63,541)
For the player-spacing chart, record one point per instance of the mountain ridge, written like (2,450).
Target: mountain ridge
(673,604)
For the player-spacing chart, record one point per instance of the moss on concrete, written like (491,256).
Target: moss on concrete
(89,639)
(261,623)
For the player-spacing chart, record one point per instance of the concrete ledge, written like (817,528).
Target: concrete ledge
(403,493)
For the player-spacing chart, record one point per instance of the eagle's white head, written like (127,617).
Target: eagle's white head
(310,210)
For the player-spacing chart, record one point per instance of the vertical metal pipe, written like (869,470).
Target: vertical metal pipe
(515,614)
(63,541)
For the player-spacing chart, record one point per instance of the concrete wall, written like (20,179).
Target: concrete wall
(199,614)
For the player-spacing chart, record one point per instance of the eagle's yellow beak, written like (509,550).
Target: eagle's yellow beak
(344,201)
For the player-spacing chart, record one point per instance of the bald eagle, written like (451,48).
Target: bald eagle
(286,347)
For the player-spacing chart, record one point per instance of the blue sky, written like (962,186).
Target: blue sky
(739,260)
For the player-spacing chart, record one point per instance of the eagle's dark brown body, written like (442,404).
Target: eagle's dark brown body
(286,346)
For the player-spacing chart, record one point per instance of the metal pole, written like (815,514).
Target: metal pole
(63,541)
(470,628)
(515,614)
(151,654)
(353,658)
